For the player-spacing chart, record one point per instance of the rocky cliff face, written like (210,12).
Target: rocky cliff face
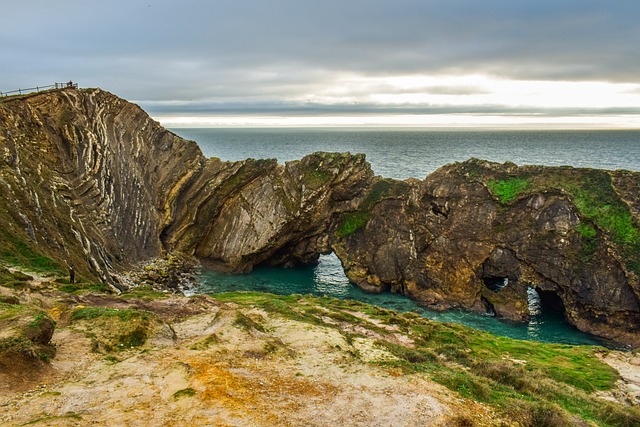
(237,215)
(85,178)
(483,237)
(89,180)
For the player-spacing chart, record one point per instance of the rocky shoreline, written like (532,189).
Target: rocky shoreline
(90,181)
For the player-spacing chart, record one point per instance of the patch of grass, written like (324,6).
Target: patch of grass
(590,190)
(508,190)
(245,322)
(352,222)
(68,415)
(587,231)
(385,189)
(316,177)
(206,343)
(17,252)
(8,311)
(185,392)
(79,287)
(111,359)
(382,189)
(533,383)
(112,329)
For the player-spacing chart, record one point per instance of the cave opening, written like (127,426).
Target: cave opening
(495,284)
(545,301)
(549,300)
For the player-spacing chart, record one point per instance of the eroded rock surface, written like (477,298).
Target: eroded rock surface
(91,181)
(460,239)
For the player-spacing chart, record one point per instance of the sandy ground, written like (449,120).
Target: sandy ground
(628,388)
(202,368)
(207,371)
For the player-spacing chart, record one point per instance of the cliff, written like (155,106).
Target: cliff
(483,236)
(89,180)
(84,179)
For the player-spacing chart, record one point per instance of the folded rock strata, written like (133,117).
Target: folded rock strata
(91,181)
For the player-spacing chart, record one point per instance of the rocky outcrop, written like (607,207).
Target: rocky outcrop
(85,178)
(89,180)
(92,181)
(238,215)
(25,335)
(483,236)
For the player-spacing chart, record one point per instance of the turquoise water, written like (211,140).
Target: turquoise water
(403,153)
(327,279)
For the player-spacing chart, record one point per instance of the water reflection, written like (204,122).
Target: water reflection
(328,279)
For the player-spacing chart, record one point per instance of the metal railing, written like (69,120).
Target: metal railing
(69,84)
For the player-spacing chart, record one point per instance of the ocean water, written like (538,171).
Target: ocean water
(403,153)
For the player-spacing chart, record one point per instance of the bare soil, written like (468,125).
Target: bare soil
(207,370)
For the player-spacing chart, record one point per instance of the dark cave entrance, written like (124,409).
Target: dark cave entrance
(549,302)
(495,284)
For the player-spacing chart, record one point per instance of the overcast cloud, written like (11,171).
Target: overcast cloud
(329,57)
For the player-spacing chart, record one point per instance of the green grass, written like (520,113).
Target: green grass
(352,222)
(206,343)
(8,311)
(381,190)
(112,329)
(68,415)
(508,190)
(80,287)
(385,189)
(91,313)
(531,382)
(16,252)
(590,190)
(246,323)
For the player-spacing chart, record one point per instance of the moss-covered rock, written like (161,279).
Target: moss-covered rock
(112,329)
(454,239)
(25,333)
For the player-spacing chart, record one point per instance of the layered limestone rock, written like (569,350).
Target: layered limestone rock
(236,215)
(85,178)
(482,236)
(89,180)
(92,181)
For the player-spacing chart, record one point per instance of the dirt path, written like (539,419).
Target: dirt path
(628,366)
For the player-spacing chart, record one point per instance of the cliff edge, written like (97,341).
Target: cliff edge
(90,181)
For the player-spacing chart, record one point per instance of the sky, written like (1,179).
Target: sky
(449,63)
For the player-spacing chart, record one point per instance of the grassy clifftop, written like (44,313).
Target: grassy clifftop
(277,360)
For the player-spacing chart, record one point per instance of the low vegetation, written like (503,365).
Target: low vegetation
(590,190)
(26,333)
(509,189)
(382,189)
(535,384)
(352,222)
(113,329)
(16,252)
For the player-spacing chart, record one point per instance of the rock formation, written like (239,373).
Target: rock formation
(85,178)
(481,236)
(89,180)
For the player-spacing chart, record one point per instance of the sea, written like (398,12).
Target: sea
(404,153)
